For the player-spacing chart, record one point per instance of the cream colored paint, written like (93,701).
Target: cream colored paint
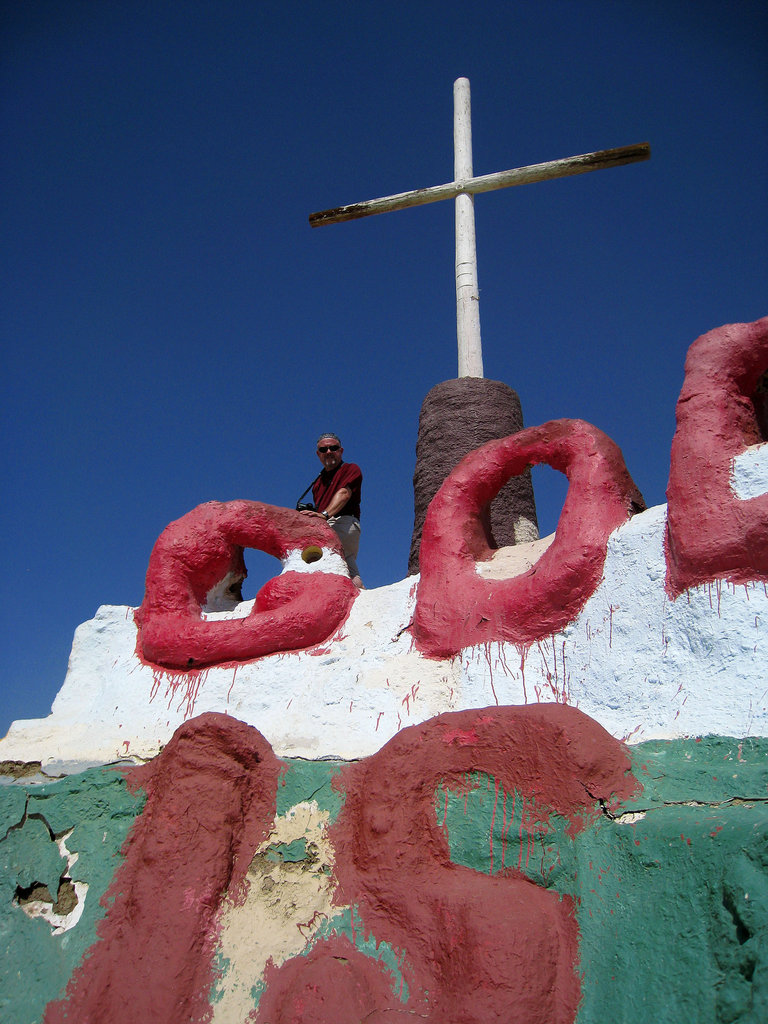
(285,905)
(514,560)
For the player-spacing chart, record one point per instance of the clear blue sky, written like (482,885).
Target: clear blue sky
(174,332)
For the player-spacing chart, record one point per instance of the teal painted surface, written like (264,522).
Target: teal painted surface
(303,781)
(313,780)
(348,923)
(673,906)
(288,853)
(35,964)
(309,780)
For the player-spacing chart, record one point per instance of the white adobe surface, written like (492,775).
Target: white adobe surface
(749,472)
(641,665)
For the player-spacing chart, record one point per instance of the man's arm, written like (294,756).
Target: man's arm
(338,501)
(336,504)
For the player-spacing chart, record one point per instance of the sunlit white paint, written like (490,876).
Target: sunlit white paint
(749,472)
(640,664)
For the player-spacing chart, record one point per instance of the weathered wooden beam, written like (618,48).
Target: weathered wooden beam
(467,289)
(487,183)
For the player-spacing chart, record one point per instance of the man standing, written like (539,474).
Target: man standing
(336,494)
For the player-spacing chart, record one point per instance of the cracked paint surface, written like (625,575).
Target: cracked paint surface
(474,945)
(289,893)
(94,811)
(669,887)
(210,802)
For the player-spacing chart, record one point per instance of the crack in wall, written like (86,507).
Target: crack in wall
(34,898)
(629,817)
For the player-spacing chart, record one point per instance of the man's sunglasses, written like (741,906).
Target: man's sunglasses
(323,448)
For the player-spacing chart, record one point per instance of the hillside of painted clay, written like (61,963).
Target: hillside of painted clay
(527,783)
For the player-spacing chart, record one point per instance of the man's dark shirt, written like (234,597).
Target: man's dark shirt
(331,481)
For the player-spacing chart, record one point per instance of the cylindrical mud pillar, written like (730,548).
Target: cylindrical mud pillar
(458,416)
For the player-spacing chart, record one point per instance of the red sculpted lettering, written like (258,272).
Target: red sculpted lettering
(474,947)
(205,547)
(210,802)
(456,607)
(711,533)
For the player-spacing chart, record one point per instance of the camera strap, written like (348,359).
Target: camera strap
(309,488)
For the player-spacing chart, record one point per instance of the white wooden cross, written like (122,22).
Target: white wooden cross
(462,189)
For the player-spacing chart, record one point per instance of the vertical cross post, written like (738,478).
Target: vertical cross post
(462,190)
(459,415)
(467,291)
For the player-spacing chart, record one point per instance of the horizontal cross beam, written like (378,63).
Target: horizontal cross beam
(487,183)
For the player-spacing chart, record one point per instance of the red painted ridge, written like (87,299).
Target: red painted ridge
(333,984)
(211,797)
(475,946)
(194,553)
(712,534)
(456,608)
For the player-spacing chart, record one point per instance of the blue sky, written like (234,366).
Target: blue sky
(174,332)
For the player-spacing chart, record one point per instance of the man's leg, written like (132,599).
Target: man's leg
(347,529)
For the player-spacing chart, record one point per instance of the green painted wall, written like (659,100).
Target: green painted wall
(673,906)
(671,892)
(35,964)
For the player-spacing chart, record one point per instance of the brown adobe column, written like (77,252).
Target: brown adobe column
(456,417)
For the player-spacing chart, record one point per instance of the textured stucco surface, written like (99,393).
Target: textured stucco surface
(713,532)
(457,416)
(95,811)
(439,853)
(211,799)
(640,663)
(671,893)
(194,554)
(655,627)
(669,889)
(456,606)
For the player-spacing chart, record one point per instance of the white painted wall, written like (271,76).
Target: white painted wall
(638,663)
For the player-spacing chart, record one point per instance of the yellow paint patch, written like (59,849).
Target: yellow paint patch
(287,902)
(514,560)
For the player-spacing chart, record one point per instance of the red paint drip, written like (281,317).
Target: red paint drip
(493,820)
(185,685)
(234,676)
(507,824)
(489,662)
(390,844)
(611,610)
(455,607)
